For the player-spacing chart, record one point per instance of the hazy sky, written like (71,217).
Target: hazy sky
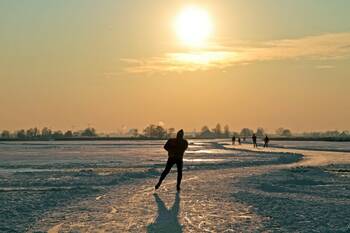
(119,63)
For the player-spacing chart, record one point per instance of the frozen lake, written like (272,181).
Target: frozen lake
(40,178)
(313,145)
(36,177)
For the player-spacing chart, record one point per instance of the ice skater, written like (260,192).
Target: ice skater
(233,140)
(266,141)
(254,141)
(176,148)
(239,141)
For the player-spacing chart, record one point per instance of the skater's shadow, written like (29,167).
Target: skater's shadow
(167,219)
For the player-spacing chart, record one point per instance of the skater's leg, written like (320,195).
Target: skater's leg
(167,169)
(179,166)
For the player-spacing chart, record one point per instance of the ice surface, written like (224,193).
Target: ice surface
(313,145)
(108,187)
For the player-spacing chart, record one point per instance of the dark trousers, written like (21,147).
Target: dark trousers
(170,163)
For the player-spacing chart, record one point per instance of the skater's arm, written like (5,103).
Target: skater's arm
(167,145)
(186,145)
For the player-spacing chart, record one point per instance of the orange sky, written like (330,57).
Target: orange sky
(117,64)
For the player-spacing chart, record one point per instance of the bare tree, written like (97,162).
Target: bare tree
(205,132)
(57,134)
(246,132)
(155,131)
(283,132)
(133,132)
(46,132)
(5,134)
(217,130)
(21,134)
(68,134)
(260,132)
(286,133)
(32,133)
(89,132)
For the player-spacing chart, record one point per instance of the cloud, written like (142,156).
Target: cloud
(112,74)
(228,54)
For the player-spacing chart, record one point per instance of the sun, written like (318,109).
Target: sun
(193,26)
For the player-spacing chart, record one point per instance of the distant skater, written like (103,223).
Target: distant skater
(254,141)
(239,141)
(233,140)
(176,148)
(266,141)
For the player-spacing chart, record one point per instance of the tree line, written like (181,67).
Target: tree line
(218,132)
(160,132)
(46,133)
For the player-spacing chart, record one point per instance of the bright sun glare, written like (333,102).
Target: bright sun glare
(193,26)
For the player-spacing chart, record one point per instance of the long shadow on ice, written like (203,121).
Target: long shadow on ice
(167,219)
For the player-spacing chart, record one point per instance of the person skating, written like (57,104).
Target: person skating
(176,148)
(254,141)
(266,141)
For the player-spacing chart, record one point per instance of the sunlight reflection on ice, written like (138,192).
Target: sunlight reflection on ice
(209,151)
(203,160)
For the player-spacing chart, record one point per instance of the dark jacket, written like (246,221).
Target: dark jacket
(176,147)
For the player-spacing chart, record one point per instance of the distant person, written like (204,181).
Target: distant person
(254,141)
(266,141)
(233,140)
(176,148)
(239,141)
(243,139)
